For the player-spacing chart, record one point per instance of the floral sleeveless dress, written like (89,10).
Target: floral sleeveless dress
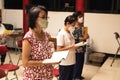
(40,51)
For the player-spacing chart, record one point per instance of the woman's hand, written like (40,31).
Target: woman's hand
(81,38)
(74,47)
(3,35)
(50,62)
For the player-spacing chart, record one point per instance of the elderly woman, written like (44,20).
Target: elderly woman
(36,48)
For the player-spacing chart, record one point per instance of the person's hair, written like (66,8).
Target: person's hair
(70,19)
(76,14)
(34,13)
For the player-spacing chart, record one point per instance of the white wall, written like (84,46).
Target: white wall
(1,4)
(14,17)
(101,28)
(56,21)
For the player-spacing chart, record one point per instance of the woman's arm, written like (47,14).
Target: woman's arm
(3,35)
(26,50)
(62,48)
(85,36)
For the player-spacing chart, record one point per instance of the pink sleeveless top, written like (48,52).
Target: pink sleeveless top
(40,50)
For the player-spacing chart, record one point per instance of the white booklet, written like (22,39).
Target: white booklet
(57,56)
(81,44)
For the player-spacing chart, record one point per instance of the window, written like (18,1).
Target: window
(102,6)
(13,4)
(56,5)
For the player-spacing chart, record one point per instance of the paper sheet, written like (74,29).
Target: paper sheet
(81,44)
(57,56)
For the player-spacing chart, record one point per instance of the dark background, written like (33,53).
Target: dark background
(97,6)
(102,6)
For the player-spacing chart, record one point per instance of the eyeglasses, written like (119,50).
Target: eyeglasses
(44,17)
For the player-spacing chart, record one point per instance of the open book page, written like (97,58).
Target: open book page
(81,44)
(57,56)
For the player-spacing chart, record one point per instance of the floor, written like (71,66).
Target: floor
(88,72)
(108,72)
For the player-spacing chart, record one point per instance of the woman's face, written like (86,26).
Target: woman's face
(73,24)
(42,16)
(70,26)
(80,19)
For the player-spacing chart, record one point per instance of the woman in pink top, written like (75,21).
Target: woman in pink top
(36,48)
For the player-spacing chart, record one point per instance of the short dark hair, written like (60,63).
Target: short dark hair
(34,13)
(77,13)
(69,19)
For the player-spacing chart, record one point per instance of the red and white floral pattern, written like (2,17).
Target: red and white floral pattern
(40,50)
